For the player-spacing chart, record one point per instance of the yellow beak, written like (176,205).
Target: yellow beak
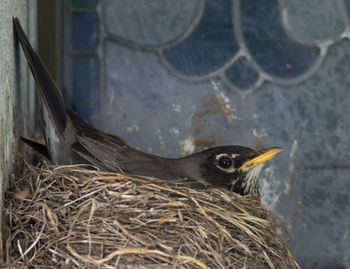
(264,156)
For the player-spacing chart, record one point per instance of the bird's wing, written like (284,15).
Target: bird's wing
(116,155)
(107,149)
(96,146)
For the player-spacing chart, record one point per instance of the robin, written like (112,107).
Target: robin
(70,140)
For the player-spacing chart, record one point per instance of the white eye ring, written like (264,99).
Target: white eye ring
(229,169)
(233,155)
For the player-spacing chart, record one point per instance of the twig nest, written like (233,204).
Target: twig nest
(71,216)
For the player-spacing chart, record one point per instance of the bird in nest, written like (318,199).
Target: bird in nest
(70,140)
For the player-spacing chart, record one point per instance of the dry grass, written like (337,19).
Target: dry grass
(69,216)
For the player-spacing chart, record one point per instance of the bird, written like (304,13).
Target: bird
(70,140)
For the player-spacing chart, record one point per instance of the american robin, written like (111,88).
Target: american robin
(71,140)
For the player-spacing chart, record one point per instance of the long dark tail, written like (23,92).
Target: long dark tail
(49,91)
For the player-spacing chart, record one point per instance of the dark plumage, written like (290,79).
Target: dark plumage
(71,140)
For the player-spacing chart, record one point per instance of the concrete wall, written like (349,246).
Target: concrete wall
(16,118)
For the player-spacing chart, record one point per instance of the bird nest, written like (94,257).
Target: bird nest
(75,216)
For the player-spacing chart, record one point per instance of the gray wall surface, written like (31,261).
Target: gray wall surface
(14,101)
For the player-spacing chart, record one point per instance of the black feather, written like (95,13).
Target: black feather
(41,148)
(47,86)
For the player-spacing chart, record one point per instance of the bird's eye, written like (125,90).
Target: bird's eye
(225,162)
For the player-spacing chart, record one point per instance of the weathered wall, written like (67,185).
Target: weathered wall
(14,101)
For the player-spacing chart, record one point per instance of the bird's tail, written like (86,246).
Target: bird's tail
(49,91)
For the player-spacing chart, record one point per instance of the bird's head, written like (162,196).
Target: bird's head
(234,167)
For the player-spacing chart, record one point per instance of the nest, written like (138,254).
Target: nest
(75,216)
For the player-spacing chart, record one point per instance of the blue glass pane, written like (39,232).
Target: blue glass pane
(268,43)
(242,74)
(84,30)
(347,6)
(85,85)
(210,46)
(84,3)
